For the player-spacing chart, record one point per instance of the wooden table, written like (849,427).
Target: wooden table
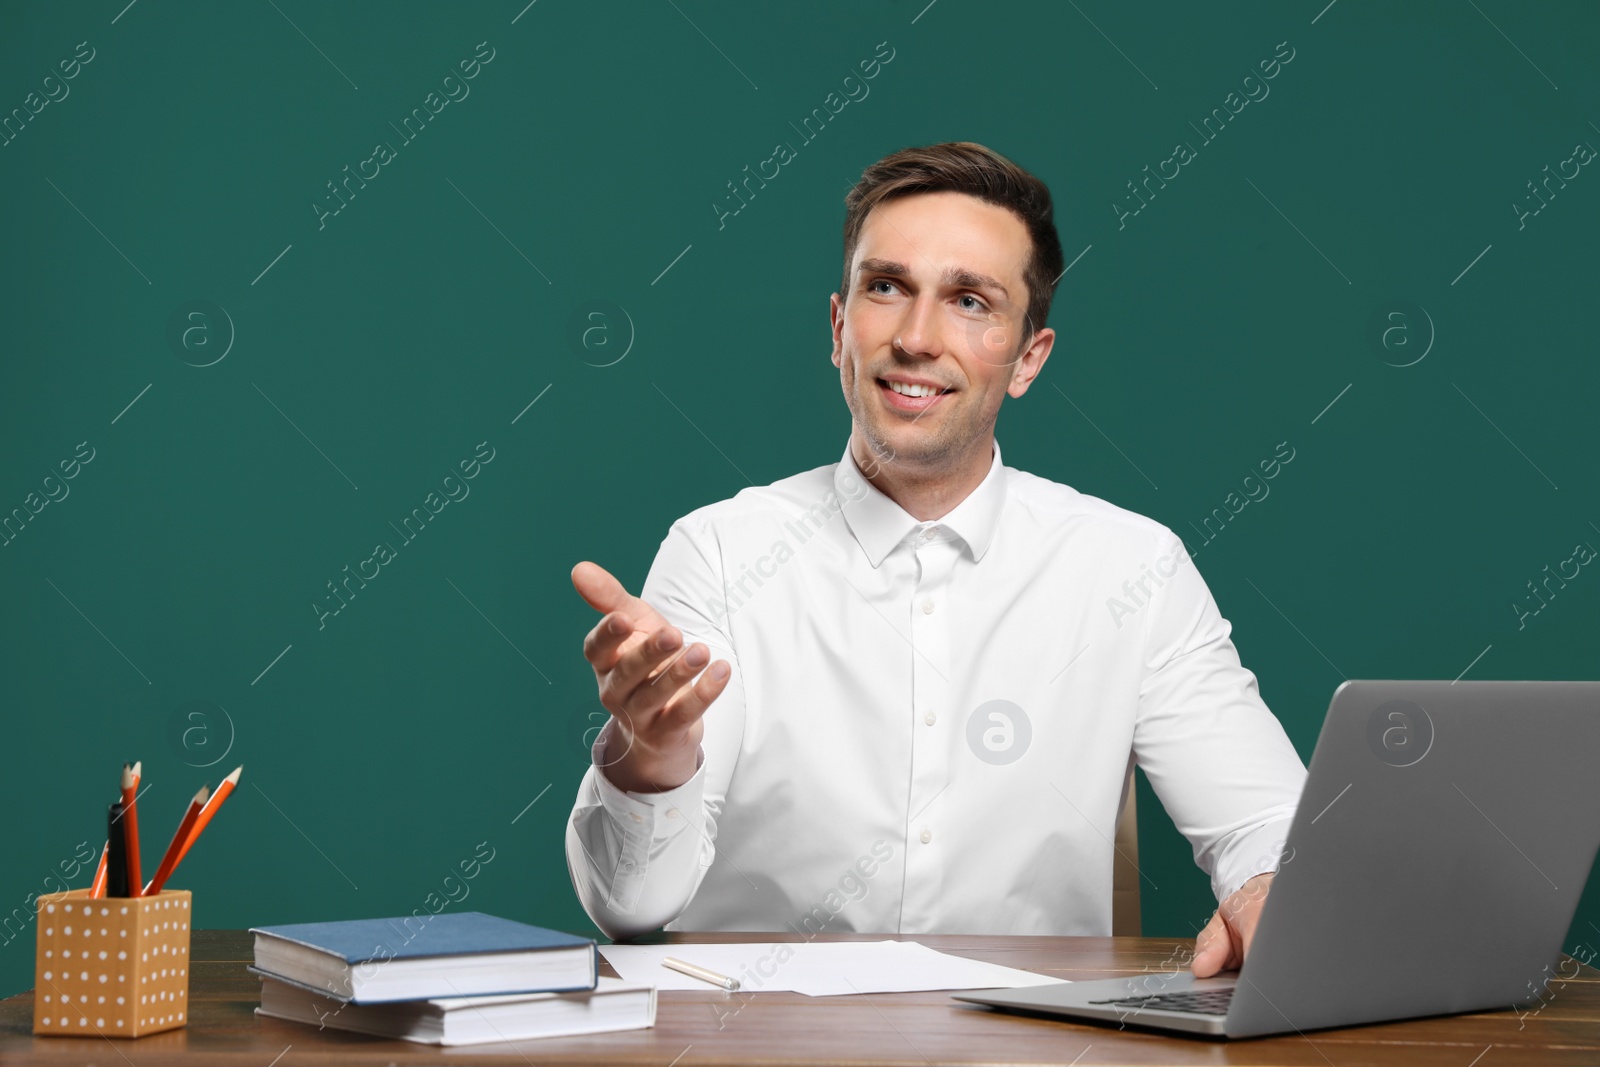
(886,1028)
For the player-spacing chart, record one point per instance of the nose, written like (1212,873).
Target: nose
(919,331)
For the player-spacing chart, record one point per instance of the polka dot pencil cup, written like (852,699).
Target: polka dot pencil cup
(111,966)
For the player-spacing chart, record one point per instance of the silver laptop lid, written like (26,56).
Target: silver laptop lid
(1436,859)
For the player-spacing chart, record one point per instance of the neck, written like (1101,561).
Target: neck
(926,493)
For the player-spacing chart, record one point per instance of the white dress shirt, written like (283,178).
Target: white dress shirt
(929,725)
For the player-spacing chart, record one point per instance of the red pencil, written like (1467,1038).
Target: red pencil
(170,859)
(130,825)
(224,790)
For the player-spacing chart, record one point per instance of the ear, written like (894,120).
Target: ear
(1031,362)
(836,319)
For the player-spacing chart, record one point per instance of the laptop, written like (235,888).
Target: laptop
(1433,866)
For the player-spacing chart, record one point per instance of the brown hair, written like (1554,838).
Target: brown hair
(964,167)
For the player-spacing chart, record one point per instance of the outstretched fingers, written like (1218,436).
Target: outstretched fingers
(692,699)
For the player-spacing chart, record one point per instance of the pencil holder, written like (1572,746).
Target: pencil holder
(111,966)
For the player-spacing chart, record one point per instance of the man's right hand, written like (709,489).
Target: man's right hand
(646,685)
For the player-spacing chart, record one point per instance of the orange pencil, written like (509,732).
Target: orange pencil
(224,790)
(170,859)
(130,825)
(97,888)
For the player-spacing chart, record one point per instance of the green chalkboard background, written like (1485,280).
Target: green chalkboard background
(265,385)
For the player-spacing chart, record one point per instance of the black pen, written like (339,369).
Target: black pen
(116,853)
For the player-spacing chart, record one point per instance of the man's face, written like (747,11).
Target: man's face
(936,298)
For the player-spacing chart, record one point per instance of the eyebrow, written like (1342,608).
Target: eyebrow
(957,276)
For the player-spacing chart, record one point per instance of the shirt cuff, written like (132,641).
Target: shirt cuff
(650,816)
(643,822)
(1259,851)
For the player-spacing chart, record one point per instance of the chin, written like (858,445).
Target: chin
(914,445)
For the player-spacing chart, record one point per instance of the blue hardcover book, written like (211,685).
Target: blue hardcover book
(369,961)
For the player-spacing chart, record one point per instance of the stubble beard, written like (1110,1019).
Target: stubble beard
(930,447)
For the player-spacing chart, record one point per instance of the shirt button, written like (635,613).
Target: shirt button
(672,813)
(927,605)
(930,718)
(635,816)
(927,835)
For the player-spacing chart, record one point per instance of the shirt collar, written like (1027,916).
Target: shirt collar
(879,524)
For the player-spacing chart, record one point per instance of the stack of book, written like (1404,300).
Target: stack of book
(447,979)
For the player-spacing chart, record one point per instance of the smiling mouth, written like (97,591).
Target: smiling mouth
(912,391)
(916,399)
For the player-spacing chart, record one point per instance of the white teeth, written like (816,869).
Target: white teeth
(913,390)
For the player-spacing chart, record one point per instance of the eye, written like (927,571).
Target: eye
(871,285)
(981,305)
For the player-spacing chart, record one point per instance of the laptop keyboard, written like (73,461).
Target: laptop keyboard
(1197,1001)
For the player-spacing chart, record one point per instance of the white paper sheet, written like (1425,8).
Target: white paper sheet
(818,969)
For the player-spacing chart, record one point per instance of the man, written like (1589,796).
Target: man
(903,692)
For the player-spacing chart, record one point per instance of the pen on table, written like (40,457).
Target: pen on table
(224,789)
(701,973)
(170,859)
(130,826)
